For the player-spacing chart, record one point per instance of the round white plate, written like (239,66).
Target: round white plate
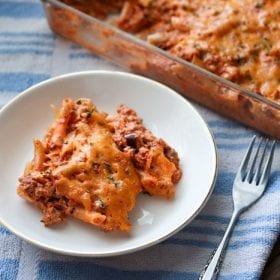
(165,113)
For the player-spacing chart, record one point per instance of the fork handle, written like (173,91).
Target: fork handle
(211,270)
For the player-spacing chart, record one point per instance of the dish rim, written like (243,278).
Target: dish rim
(132,249)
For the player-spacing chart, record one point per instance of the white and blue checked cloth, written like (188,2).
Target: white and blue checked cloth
(30,53)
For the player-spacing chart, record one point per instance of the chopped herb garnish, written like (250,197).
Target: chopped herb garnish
(100,203)
(266,44)
(259,4)
(241,46)
(118,184)
(48,172)
(89,113)
(108,167)
(110,177)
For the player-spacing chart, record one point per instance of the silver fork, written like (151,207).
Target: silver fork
(249,185)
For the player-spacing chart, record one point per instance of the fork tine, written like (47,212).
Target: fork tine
(258,171)
(245,160)
(267,167)
(249,175)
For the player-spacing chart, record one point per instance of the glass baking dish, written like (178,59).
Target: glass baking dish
(136,55)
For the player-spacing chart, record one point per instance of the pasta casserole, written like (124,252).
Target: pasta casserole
(238,41)
(89,167)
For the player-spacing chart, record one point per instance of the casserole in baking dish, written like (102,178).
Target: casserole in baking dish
(223,55)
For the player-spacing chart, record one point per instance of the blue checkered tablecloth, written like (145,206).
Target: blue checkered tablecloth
(30,53)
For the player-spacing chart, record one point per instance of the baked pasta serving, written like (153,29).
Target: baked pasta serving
(92,166)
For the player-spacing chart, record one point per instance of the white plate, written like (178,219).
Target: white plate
(166,113)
